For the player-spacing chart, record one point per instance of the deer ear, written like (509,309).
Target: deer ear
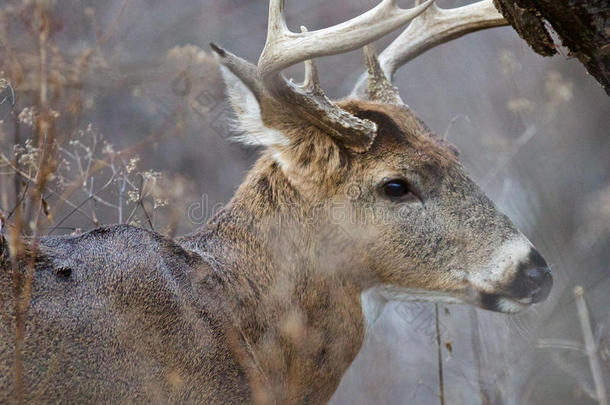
(248,123)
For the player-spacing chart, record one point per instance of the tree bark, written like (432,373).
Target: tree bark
(582,25)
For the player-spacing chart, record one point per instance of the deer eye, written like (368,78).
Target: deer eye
(398,190)
(395,188)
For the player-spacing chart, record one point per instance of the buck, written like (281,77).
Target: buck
(353,203)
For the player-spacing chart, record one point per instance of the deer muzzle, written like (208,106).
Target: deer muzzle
(522,278)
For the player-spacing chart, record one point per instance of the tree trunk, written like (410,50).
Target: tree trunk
(582,25)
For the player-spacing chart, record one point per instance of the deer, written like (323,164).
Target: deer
(353,203)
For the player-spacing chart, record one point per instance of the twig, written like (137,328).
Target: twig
(561,344)
(505,159)
(475,340)
(16,141)
(15,251)
(3,194)
(91,196)
(440,359)
(50,190)
(90,152)
(140,203)
(121,192)
(452,122)
(68,215)
(590,346)
(19,199)
(113,25)
(158,134)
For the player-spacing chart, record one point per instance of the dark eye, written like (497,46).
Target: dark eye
(398,189)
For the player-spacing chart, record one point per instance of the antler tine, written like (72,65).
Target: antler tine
(285,48)
(431,28)
(435,27)
(311,81)
(378,88)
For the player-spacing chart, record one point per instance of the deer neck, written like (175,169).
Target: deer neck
(297,317)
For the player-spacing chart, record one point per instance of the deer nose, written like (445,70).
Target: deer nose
(534,279)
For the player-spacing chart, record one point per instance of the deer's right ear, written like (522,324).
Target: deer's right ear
(248,123)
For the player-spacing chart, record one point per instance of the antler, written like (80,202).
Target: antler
(284,48)
(431,28)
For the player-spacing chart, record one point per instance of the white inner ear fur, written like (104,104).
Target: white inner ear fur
(248,123)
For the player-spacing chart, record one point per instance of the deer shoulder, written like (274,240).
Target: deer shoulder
(153,309)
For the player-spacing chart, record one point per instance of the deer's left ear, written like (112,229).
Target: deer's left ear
(249,123)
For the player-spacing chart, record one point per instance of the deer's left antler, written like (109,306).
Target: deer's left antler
(431,28)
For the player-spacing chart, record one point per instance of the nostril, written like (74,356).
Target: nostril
(533,280)
(537,275)
(539,281)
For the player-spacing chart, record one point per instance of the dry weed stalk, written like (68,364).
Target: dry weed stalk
(590,346)
(44,177)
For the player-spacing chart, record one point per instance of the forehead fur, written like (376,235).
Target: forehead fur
(400,128)
(316,162)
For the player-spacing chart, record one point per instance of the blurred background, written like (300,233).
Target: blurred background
(140,134)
